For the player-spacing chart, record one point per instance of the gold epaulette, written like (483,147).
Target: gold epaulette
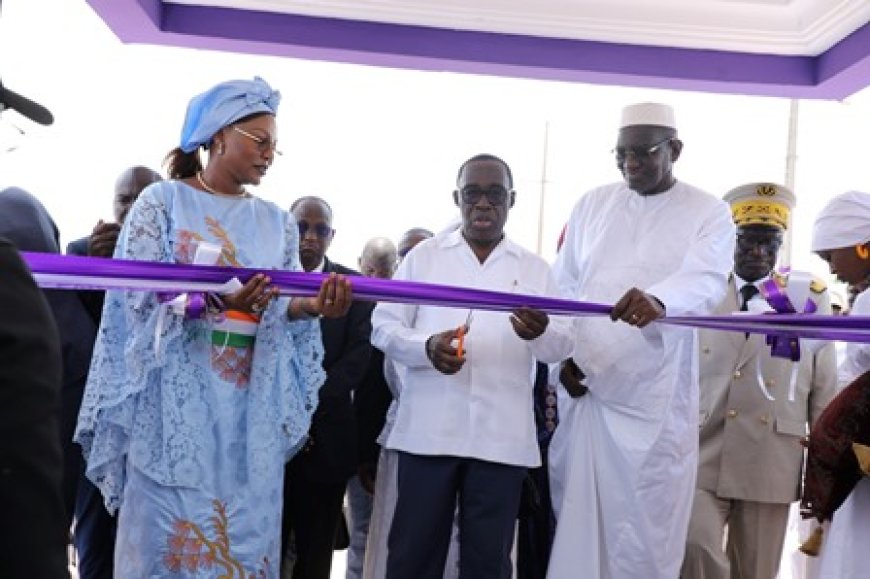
(818,285)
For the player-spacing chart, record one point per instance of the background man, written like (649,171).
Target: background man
(623,459)
(751,460)
(102,240)
(315,479)
(370,401)
(465,427)
(410,239)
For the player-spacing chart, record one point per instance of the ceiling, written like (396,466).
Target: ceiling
(789,48)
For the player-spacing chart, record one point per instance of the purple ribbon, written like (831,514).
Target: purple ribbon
(195,307)
(73,272)
(783,345)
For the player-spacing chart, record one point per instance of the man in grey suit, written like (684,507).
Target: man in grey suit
(751,459)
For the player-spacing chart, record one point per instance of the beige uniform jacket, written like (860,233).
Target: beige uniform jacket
(750,446)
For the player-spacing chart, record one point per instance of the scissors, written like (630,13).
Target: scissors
(460,335)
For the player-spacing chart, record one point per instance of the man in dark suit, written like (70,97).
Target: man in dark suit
(102,240)
(315,479)
(94,536)
(33,536)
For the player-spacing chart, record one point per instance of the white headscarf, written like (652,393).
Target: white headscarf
(845,221)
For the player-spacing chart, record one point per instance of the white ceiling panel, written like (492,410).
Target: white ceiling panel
(783,27)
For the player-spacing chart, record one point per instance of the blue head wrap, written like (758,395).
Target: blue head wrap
(222,105)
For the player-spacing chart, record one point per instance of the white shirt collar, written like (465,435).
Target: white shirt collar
(739,282)
(454,238)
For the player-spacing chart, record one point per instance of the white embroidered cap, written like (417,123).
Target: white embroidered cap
(761,204)
(648,114)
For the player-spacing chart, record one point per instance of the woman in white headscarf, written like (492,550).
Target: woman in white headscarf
(841,236)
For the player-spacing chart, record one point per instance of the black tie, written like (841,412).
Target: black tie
(747,292)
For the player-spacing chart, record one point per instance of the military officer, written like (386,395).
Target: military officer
(753,409)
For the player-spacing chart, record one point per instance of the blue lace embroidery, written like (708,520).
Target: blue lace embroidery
(155,408)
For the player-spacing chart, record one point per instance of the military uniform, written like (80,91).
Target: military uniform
(751,460)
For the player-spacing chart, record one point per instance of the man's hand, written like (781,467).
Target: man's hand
(444,357)
(103,239)
(637,308)
(529,323)
(366,472)
(334,298)
(571,377)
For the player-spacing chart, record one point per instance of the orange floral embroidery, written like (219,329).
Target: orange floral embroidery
(233,364)
(190,549)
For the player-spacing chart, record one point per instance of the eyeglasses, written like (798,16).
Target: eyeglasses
(770,243)
(262,144)
(640,152)
(320,229)
(472,194)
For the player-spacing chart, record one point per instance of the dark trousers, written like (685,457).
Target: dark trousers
(429,488)
(94,536)
(311,515)
(537,525)
(73,462)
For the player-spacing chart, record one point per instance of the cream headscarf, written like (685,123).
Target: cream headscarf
(845,221)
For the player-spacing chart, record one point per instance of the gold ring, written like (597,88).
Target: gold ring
(256,308)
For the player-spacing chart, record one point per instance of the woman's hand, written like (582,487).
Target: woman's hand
(253,297)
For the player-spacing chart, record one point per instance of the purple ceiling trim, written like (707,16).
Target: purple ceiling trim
(835,74)
(847,63)
(133,21)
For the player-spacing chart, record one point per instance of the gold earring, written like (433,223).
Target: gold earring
(862,251)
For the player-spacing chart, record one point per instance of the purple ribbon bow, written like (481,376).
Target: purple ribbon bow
(784,344)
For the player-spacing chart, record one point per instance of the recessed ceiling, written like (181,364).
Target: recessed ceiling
(788,27)
(795,48)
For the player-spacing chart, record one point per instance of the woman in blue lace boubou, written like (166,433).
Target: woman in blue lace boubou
(188,417)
